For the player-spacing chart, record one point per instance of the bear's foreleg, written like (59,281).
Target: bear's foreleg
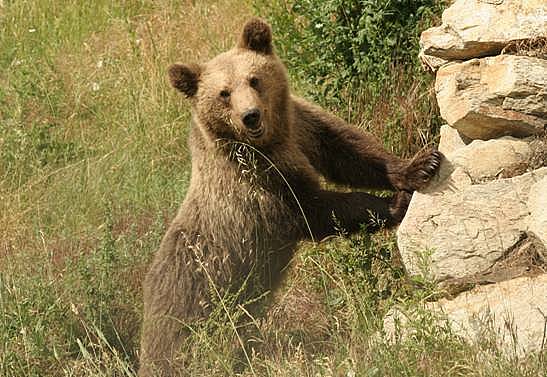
(354,157)
(347,155)
(330,213)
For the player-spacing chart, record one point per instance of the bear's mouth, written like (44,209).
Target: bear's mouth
(256,133)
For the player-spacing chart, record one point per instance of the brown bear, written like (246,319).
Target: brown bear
(257,156)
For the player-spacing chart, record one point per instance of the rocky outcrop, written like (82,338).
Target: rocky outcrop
(511,313)
(496,96)
(480,228)
(483,160)
(458,228)
(477,28)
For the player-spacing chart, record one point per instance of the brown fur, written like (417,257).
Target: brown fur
(255,193)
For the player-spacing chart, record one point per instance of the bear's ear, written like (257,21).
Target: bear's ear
(185,78)
(257,36)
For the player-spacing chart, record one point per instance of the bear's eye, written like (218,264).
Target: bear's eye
(253,81)
(225,94)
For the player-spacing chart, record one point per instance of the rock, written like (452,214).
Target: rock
(512,313)
(456,228)
(481,160)
(451,140)
(526,258)
(496,96)
(481,226)
(431,63)
(462,224)
(472,28)
(539,153)
(487,159)
(537,202)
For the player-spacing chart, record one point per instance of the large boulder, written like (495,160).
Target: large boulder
(464,229)
(495,96)
(510,313)
(465,222)
(477,28)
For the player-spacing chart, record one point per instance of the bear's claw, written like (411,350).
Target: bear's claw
(422,168)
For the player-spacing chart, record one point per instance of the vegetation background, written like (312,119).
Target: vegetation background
(94,164)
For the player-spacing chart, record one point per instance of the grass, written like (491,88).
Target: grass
(93,165)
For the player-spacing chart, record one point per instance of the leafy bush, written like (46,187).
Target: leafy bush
(336,43)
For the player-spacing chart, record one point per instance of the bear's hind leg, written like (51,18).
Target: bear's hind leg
(174,297)
(161,341)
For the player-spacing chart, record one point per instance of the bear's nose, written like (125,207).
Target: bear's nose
(251,119)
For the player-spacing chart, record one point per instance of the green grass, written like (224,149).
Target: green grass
(94,164)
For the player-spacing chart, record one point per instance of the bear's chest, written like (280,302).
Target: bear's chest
(248,201)
(240,224)
(244,204)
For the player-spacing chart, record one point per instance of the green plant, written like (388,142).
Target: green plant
(334,44)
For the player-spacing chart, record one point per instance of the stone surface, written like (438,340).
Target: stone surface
(481,226)
(477,28)
(513,313)
(496,96)
(488,159)
(431,63)
(537,202)
(482,160)
(456,228)
(451,140)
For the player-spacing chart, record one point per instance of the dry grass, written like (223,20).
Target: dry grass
(93,163)
(534,47)
(405,119)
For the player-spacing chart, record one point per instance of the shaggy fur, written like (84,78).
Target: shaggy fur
(255,192)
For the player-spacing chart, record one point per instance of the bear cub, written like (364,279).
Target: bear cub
(258,153)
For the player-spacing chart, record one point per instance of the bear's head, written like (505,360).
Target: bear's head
(242,94)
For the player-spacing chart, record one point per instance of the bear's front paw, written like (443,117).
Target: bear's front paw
(422,168)
(399,205)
